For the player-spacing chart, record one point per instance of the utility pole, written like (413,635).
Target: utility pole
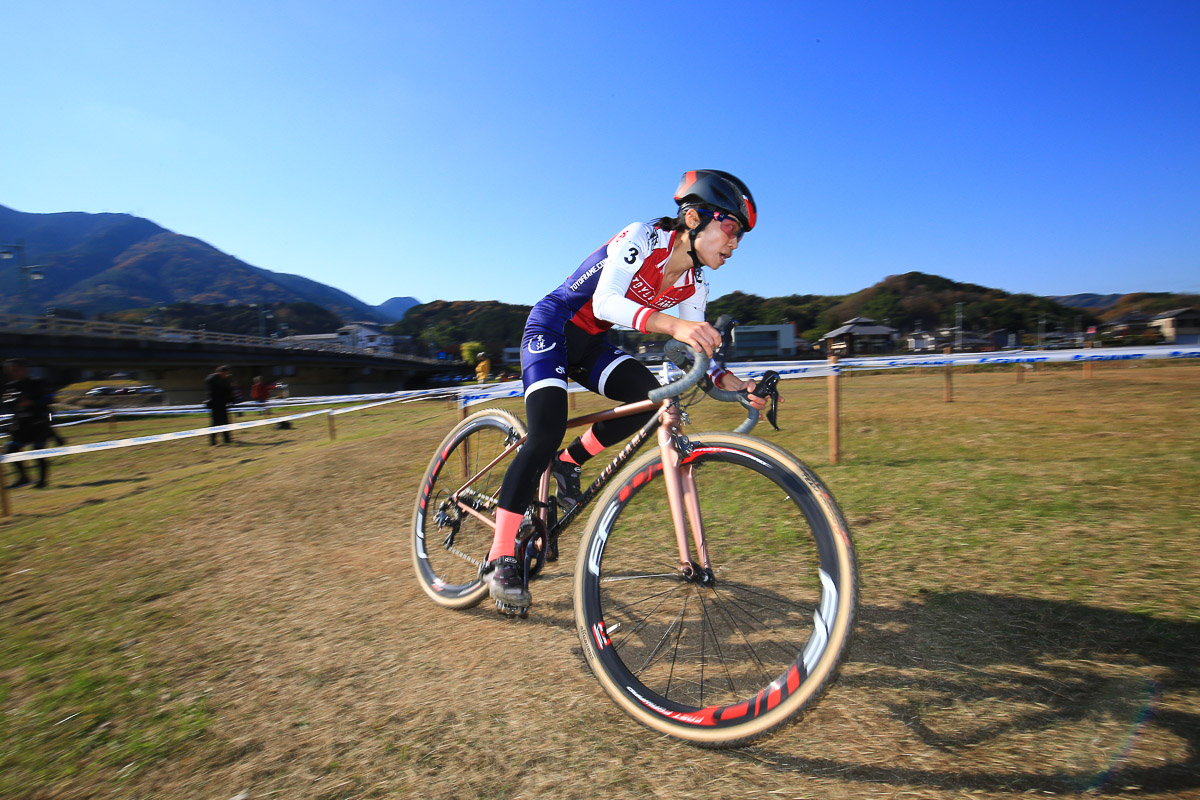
(958,327)
(28,272)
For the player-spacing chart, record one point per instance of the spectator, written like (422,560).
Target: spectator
(260,392)
(483,367)
(219,386)
(27,399)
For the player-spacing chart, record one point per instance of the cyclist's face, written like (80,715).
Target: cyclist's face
(715,244)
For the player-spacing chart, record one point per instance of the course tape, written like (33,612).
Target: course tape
(335,412)
(51,452)
(135,441)
(999,358)
(248,405)
(816,369)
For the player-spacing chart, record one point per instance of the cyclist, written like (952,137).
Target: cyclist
(645,269)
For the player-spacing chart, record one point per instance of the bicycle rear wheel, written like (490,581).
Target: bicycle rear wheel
(449,544)
(719,663)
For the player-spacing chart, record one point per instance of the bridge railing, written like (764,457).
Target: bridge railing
(62,326)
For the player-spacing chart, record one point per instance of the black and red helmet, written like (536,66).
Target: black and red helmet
(720,190)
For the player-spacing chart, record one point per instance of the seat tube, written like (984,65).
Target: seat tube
(691,501)
(672,478)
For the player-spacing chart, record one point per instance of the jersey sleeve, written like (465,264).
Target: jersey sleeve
(626,254)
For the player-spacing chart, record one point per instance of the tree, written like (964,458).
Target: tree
(470,351)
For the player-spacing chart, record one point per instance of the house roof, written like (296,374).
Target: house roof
(1125,319)
(852,327)
(1175,312)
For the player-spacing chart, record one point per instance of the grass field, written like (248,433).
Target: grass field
(186,621)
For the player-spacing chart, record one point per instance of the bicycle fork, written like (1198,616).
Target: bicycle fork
(682,497)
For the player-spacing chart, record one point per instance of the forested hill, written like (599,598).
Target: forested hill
(912,301)
(93,263)
(444,325)
(908,302)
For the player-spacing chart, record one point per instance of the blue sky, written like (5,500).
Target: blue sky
(481,150)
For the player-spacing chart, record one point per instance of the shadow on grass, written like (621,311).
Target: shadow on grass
(993,686)
(105,482)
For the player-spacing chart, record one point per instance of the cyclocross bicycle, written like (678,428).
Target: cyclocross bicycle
(714,611)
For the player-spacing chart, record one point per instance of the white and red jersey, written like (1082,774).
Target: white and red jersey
(621,283)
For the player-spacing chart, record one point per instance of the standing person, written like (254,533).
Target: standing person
(644,269)
(26,398)
(260,392)
(483,367)
(219,387)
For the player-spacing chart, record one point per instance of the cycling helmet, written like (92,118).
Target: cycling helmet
(720,190)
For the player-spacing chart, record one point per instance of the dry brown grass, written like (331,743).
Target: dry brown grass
(272,586)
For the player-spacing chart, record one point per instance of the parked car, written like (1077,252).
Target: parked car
(100,391)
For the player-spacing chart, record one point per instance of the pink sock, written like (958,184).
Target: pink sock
(504,543)
(566,456)
(591,443)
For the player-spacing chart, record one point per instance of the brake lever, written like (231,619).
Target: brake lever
(724,325)
(768,386)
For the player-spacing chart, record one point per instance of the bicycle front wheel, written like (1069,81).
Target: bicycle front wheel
(450,543)
(723,660)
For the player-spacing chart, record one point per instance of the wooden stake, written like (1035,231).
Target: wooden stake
(5,507)
(332,427)
(1020,373)
(948,370)
(1087,363)
(835,413)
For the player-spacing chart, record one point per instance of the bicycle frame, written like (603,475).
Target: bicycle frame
(677,475)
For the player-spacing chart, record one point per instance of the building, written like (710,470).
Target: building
(921,341)
(365,336)
(860,336)
(764,341)
(1127,325)
(1178,326)
(315,338)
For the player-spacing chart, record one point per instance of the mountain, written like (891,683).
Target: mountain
(1092,302)
(393,310)
(93,263)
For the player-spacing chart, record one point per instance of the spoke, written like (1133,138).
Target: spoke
(675,650)
(783,609)
(646,576)
(658,646)
(727,604)
(720,653)
(639,624)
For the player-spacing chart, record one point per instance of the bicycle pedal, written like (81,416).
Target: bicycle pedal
(511,611)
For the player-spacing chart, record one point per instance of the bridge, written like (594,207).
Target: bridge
(177,360)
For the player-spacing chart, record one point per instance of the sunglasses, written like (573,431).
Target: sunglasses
(729,225)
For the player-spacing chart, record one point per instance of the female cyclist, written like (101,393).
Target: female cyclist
(644,269)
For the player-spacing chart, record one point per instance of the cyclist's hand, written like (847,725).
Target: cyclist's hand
(734,383)
(759,403)
(699,335)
